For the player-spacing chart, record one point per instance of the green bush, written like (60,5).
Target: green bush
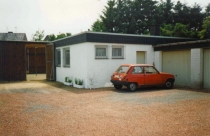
(80,82)
(66,79)
(69,80)
(76,81)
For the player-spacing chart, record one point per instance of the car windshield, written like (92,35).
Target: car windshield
(122,69)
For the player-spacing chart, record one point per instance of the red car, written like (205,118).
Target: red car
(135,75)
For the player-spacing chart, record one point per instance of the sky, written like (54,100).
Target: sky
(54,16)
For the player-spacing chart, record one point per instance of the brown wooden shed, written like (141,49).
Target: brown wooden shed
(17,58)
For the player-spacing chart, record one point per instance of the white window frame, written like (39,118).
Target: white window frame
(103,47)
(122,51)
(65,64)
(58,58)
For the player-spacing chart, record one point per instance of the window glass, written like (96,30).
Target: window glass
(67,54)
(150,70)
(58,57)
(117,52)
(101,52)
(66,57)
(122,69)
(137,70)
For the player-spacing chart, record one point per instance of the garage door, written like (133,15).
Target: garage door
(140,57)
(178,63)
(206,68)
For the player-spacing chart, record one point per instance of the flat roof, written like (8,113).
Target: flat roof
(31,42)
(103,37)
(183,45)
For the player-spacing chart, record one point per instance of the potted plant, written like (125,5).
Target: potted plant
(78,83)
(68,81)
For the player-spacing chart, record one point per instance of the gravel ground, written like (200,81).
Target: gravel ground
(37,108)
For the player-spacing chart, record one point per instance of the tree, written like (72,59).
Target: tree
(179,30)
(52,37)
(144,14)
(108,17)
(205,32)
(164,12)
(98,26)
(38,36)
(207,10)
(166,30)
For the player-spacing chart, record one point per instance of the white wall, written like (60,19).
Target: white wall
(197,68)
(102,69)
(78,63)
(158,60)
(83,64)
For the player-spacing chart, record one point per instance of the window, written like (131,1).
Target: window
(150,70)
(58,57)
(101,51)
(117,52)
(137,70)
(66,57)
(122,69)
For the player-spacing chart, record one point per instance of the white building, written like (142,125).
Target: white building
(95,56)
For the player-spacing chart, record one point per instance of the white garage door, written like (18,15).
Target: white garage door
(178,63)
(206,68)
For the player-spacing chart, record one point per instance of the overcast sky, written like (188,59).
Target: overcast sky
(54,16)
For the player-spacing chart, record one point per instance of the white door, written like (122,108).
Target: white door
(178,63)
(206,81)
(140,57)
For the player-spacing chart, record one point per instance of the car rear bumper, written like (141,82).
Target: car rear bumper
(115,82)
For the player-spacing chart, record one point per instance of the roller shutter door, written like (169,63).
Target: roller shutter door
(206,68)
(178,63)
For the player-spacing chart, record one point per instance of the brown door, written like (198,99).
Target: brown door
(49,62)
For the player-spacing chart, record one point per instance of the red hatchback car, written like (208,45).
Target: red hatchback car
(135,75)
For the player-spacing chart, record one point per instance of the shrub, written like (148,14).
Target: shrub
(76,81)
(69,80)
(66,79)
(80,82)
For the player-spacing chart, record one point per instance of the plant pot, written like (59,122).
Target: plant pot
(67,83)
(78,86)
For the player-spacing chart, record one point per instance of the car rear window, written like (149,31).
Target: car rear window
(122,69)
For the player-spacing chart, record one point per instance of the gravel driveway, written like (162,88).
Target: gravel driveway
(37,108)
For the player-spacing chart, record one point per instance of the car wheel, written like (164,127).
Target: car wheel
(117,86)
(169,84)
(132,87)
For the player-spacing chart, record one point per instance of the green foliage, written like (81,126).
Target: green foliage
(179,30)
(78,81)
(38,36)
(69,80)
(204,33)
(98,26)
(136,17)
(66,79)
(166,30)
(52,37)
(207,10)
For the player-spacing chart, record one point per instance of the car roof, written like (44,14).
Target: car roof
(136,65)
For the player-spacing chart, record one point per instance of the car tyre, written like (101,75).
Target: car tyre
(118,87)
(132,87)
(169,84)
